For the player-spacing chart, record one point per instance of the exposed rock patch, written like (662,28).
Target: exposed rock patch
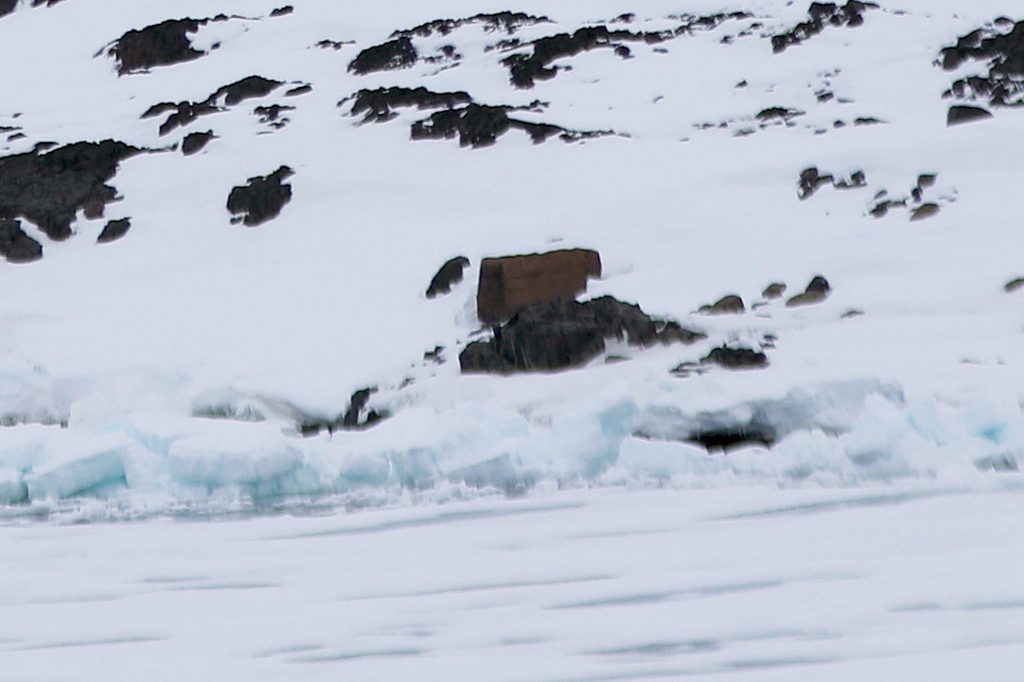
(774,290)
(358,416)
(924,211)
(562,333)
(1003,85)
(728,305)
(737,358)
(478,125)
(378,105)
(1014,285)
(195,142)
(811,180)
(7,6)
(820,15)
(961,113)
(15,245)
(817,290)
(261,199)
(394,54)
(113,230)
(161,44)
(282,11)
(509,284)
(505,22)
(448,276)
(49,188)
(185,113)
(919,210)
(272,115)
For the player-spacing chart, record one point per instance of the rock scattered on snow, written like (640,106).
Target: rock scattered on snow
(924,211)
(563,333)
(261,199)
(378,105)
(965,114)
(820,15)
(1014,285)
(811,180)
(48,189)
(15,245)
(1003,85)
(448,276)
(510,283)
(195,142)
(272,115)
(477,125)
(227,96)
(161,44)
(729,305)
(113,230)
(774,290)
(817,290)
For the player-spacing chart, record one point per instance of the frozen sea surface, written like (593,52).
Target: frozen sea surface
(907,583)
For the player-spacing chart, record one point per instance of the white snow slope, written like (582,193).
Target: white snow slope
(166,374)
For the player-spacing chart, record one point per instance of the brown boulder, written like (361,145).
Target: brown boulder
(509,284)
(730,305)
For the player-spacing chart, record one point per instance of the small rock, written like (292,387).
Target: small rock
(737,358)
(261,199)
(729,305)
(851,313)
(965,114)
(816,291)
(15,245)
(774,290)
(926,180)
(1014,285)
(449,275)
(924,211)
(194,142)
(115,229)
(282,11)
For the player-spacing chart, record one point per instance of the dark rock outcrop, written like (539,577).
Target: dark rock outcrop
(1003,85)
(505,22)
(394,54)
(261,199)
(15,245)
(477,125)
(195,142)
(378,105)
(509,284)
(227,96)
(113,230)
(774,290)
(357,416)
(561,333)
(728,305)
(1014,285)
(49,188)
(736,358)
(924,211)
(272,115)
(449,275)
(817,290)
(282,11)
(7,6)
(965,114)
(162,44)
(820,15)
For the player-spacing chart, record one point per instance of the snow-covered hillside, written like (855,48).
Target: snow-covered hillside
(196,359)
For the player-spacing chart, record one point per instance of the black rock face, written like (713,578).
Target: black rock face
(965,114)
(526,69)
(49,189)
(7,6)
(1003,85)
(261,199)
(194,142)
(378,105)
(477,125)
(820,15)
(561,333)
(114,230)
(449,275)
(737,358)
(162,44)
(230,95)
(394,54)
(16,246)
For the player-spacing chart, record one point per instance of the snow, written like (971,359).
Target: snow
(161,508)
